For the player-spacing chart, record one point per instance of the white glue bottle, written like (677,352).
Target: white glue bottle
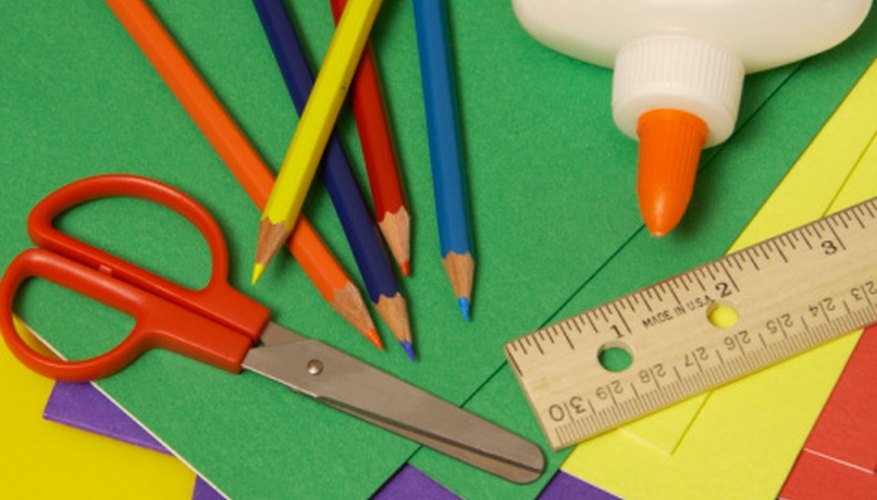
(679,68)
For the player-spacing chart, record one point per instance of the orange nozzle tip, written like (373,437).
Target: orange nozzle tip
(405,267)
(372,336)
(669,151)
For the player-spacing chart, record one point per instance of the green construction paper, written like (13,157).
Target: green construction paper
(552,197)
(732,185)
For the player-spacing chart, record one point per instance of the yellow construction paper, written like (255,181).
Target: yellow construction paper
(741,440)
(42,459)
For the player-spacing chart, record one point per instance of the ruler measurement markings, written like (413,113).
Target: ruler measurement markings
(735,259)
(552,332)
(675,297)
(621,317)
(661,288)
(742,355)
(645,300)
(858,219)
(539,346)
(526,343)
(844,218)
(764,247)
(780,250)
(761,247)
(752,256)
(699,282)
(708,270)
(513,359)
(689,279)
(807,241)
(568,341)
(728,274)
(837,237)
(697,362)
(823,309)
(590,321)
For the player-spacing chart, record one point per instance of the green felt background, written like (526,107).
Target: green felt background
(553,200)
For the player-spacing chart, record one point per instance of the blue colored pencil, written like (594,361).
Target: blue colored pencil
(358,225)
(445,151)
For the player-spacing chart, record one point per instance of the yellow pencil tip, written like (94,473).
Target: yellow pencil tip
(258,269)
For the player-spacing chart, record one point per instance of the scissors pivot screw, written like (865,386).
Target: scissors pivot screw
(315,367)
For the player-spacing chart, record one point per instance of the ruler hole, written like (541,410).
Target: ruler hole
(615,356)
(722,314)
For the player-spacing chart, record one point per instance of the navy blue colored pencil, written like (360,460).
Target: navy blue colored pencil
(359,227)
(445,153)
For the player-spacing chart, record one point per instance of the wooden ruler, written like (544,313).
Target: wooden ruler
(791,293)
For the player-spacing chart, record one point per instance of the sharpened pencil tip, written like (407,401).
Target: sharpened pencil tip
(258,269)
(373,337)
(409,349)
(464,307)
(406,268)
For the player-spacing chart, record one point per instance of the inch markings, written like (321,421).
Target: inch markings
(790,293)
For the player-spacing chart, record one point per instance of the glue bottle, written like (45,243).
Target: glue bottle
(679,68)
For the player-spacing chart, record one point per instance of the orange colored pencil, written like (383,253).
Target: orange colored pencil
(241,158)
(391,210)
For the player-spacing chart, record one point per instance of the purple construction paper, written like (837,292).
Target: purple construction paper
(203,491)
(84,407)
(409,482)
(564,486)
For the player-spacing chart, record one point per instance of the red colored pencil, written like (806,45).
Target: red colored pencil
(391,208)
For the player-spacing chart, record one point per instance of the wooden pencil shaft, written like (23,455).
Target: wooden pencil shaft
(442,126)
(373,125)
(224,135)
(790,293)
(460,270)
(321,111)
(362,235)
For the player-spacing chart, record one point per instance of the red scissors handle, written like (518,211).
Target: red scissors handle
(218,300)
(216,325)
(160,324)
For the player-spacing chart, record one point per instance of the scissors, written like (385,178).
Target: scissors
(222,327)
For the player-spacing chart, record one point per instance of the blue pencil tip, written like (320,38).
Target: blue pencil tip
(409,349)
(464,307)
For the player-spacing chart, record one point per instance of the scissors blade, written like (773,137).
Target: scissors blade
(312,368)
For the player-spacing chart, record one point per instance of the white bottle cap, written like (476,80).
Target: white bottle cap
(677,72)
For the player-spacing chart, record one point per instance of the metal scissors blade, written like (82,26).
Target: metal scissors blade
(312,368)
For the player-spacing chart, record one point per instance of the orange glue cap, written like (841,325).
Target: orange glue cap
(669,151)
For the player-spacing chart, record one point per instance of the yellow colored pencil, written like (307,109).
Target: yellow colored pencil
(312,134)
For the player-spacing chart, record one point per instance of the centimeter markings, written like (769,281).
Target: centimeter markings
(792,292)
